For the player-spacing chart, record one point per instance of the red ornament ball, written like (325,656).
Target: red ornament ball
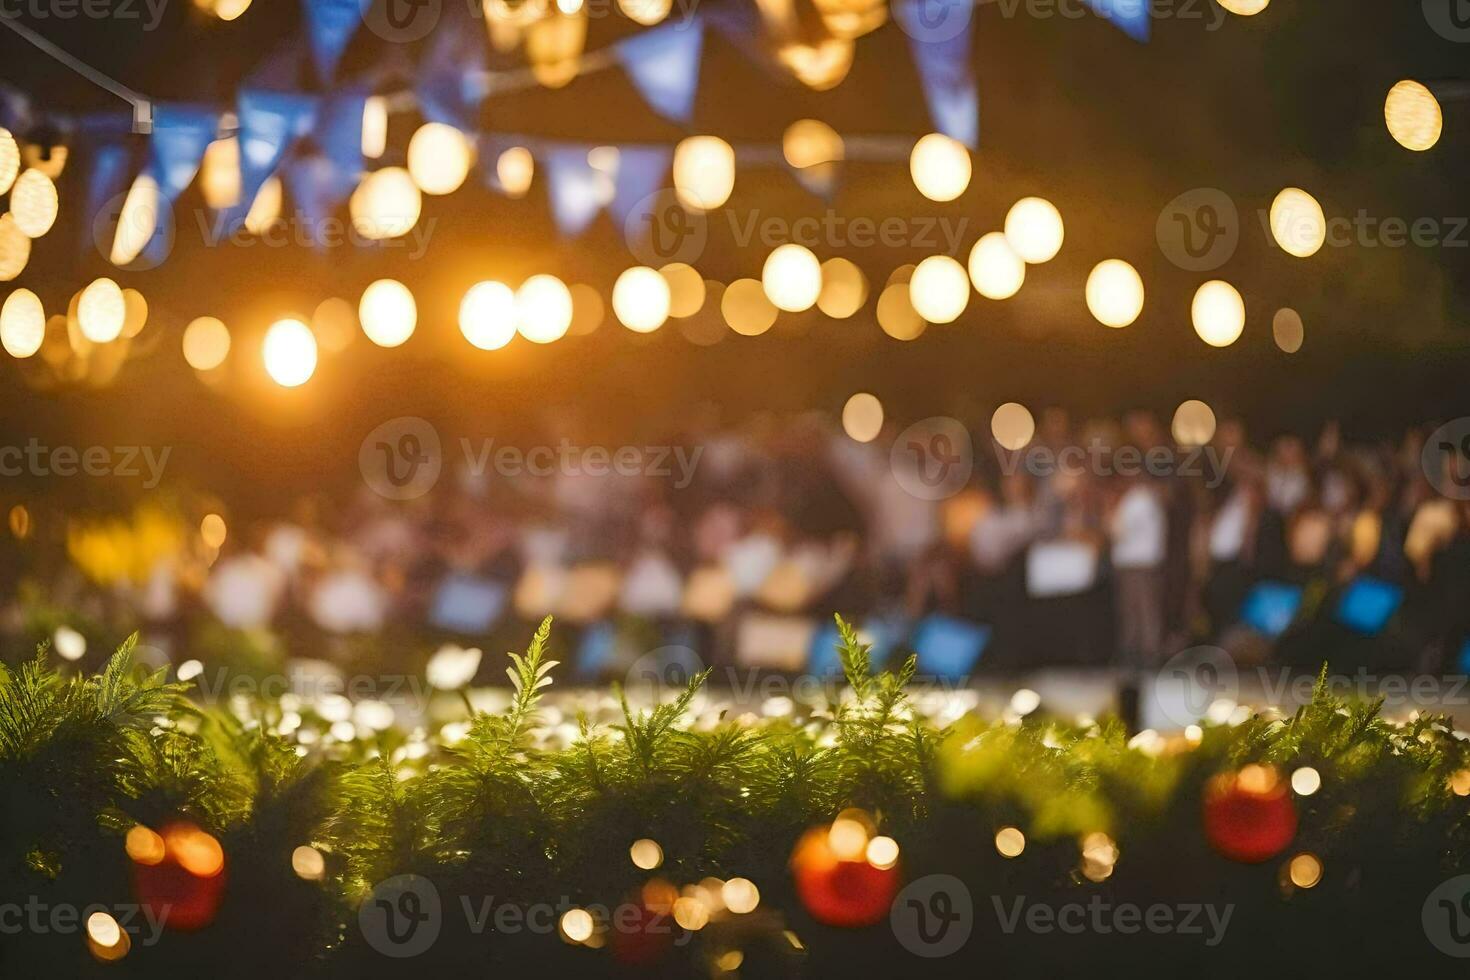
(844,879)
(178,873)
(1249,815)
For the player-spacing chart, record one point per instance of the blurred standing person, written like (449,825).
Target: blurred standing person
(1139,529)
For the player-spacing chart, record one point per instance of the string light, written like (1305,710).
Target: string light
(1297,222)
(809,143)
(387,312)
(289,353)
(704,172)
(862,417)
(308,863)
(686,289)
(747,309)
(1306,781)
(219,173)
(1218,312)
(640,299)
(896,313)
(206,343)
(101,311)
(844,289)
(1194,423)
(882,853)
(439,158)
(740,895)
(792,278)
(34,203)
(1010,842)
(487,315)
(1034,229)
(374,126)
(9,160)
(515,168)
(1114,293)
(543,309)
(212,531)
(1012,426)
(1305,870)
(1245,8)
(576,925)
(646,854)
(1413,115)
(15,248)
(995,268)
(587,310)
(940,167)
(386,204)
(939,289)
(22,323)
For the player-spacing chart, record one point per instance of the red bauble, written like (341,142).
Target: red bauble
(640,936)
(837,892)
(179,874)
(1249,815)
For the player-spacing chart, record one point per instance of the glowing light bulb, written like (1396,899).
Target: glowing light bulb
(1297,222)
(939,289)
(1114,293)
(514,169)
(1218,313)
(640,299)
(1012,426)
(387,312)
(487,315)
(995,268)
(1245,8)
(1413,116)
(940,167)
(102,311)
(862,417)
(206,343)
(439,158)
(9,159)
(1194,423)
(22,323)
(34,203)
(386,204)
(543,309)
(704,172)
(792,278)
(289,353)
(1034,229)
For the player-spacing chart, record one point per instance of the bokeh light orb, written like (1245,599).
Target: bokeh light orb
(15,248)
(515,168)
(34,203)
(206,343)
(811,143)
(22,323)
(543,309)
(136,222)
(995,268)
(747,309)
(439,158)
(862,417)
(896,314)
(1194,423)
(1114,293)
(387,312)
(792,278)
(1012,426)
(1245,8)
(1218,312)
(640,299)
(9,159)
(386,204)
(704,172)
(102,311)
(1034,229)
(940,167)
(1413,115)
(1288,330)
(1297,223)
(487,315)
(939,289)
(844,289)
(289,353)
(686,289)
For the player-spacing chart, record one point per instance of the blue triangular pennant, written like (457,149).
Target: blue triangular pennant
(1131,16)
(664,65)
(575,187)
(330,25)
(939,36)
(641,174)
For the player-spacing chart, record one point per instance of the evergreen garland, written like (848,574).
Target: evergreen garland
(85,759)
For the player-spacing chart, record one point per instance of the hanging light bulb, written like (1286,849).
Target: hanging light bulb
(704,172)
(1034,229)
(1115,293)
(640,299)
(1218,313)
(22,323)
(939,289)
(9,160)
(387,312)
(439,158)
(289,353)
(940,167)
(34,203)
(15,248)
(1297,223)
(1413,115)
(792,278)
(101,311)
(995,268)
(487,315)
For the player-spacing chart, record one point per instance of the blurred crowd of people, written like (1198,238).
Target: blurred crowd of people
(1102,543)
